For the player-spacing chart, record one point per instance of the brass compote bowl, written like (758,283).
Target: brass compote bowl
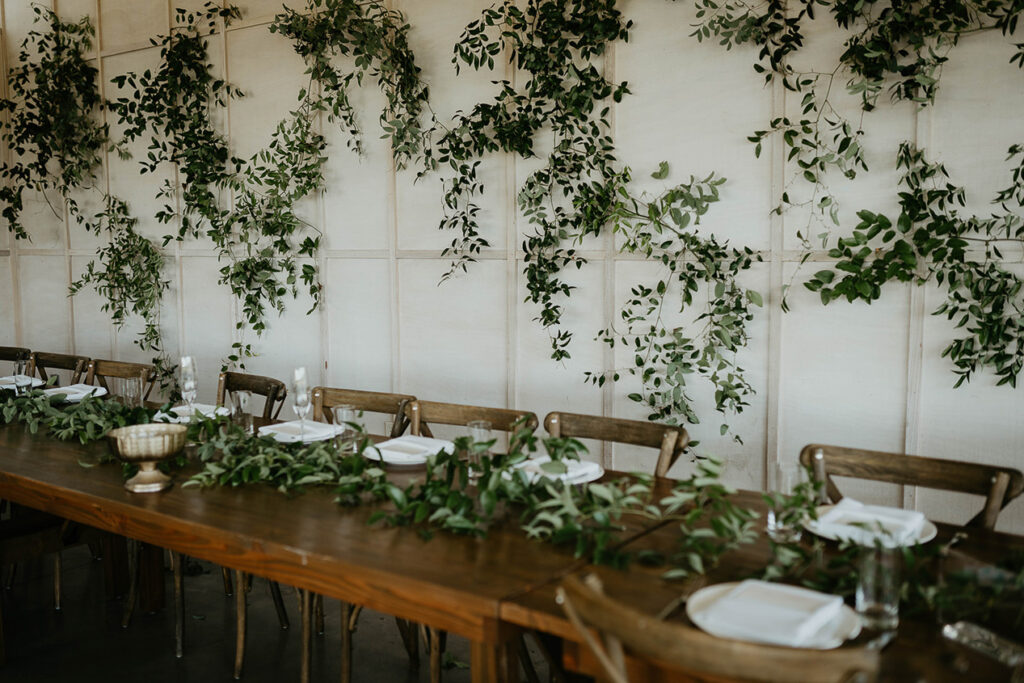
(146,445)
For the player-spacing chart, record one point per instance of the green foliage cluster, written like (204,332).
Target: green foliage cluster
(899,49)
(697,270)
(87,421)
(558,47)
(52,128)
(56,131)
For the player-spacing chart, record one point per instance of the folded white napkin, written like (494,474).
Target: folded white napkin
(73,393)
(294,432)
(763,612)
(577,471)
(408,449)
(13,380)
(865,524)
(183,414)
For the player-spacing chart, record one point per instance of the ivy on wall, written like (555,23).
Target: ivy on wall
(898,49)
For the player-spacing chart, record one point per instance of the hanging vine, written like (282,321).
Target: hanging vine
(56,131)
(899,49)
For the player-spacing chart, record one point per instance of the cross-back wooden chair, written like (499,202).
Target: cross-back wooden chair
(670,441)
(99,371)
(422,414)
(271,389)
(623,629)
(998,485)
(40,362)
(393,405)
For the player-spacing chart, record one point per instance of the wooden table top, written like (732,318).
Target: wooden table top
(918,653)
(455,583)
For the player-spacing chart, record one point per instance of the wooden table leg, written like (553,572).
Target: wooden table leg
(151,578)
(115,564)
(493,663)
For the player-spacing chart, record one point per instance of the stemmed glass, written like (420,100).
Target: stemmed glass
(132,392)
(22,381)
(241,415)
(189,384)
(479,432)
(300,400)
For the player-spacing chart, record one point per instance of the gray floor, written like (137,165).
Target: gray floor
(84,642)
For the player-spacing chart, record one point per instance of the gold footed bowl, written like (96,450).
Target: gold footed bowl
(146,445)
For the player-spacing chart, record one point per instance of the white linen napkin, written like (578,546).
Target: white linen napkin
(408,449)
(577,471)
(865,524)
(763,612)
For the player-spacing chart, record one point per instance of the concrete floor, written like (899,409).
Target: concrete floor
(85,643)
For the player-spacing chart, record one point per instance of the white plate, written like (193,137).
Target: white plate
(76,392)
(294,432)
(831,636)
(182,414)
(927,532)
(407,450)
(8,382)
(578,471)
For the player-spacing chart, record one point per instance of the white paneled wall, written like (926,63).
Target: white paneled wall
(860,375)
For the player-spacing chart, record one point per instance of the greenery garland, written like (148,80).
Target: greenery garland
(898,48)
(57,133)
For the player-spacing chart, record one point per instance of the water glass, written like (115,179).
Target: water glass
(22,381)
(783,518)
(345,421)
(189,383)
(131,392)
(878,588)
(300,399)
(479,432)
(389,427)
(241,415)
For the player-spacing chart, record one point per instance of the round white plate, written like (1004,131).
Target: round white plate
(831,636)
(578,471)
(74,393)
(927,532)
(8,382)
(292,432)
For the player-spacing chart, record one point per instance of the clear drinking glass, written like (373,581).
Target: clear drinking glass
(189,384)
(783,518)
(300,399)
(131,392)
(878,588)
(480,432)
(345,421)
(241,415)
(389,427)
(22,382)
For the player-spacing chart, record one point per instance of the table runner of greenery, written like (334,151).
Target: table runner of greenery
(459,496)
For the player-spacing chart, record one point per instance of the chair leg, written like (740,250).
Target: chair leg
(226,575)
(240,608)
(134,552)
(282,614)
(318,613)
(9,582)
(57,566)
(306,602)
(178,560)
(3,650)
(409,638)
(524,659)
(433,638)
(346,642)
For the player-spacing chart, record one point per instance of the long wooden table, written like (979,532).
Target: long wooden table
(486,590)
(919,652)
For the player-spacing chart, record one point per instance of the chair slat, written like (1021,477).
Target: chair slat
(422,413)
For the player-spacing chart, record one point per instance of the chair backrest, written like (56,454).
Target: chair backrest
(99,371)
(272,389)
(998,485)
(14,353)
(325,398)
(422,413)
(40,362)
(678,646)
(670,441)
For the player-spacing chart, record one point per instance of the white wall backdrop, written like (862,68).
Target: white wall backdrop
(859,375)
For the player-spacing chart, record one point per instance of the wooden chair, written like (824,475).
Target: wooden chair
(670,441)
(679,646)
(99,371)
(393,405)
(40,362)
(998,485)
(273,390)
(422,413)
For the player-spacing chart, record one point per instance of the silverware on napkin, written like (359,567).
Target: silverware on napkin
(986,642)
